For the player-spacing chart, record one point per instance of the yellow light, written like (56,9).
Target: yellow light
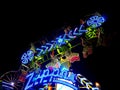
(49,87)
(97,84)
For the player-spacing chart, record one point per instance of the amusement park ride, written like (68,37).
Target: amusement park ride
(48,67)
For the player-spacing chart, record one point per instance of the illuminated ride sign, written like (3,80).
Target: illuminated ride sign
(57,76)
(90,31)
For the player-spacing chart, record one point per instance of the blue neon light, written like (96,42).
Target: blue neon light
(57,76)
(54,43)
(76,32)
(47,76)
(28,56)
(7,85)
(61,40)
(81,29)
(51,46)
(46,49)
(70,34)
(95,21)
(40,51)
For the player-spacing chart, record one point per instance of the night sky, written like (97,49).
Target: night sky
(23,24)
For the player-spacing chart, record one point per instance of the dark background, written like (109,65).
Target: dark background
(23,23)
